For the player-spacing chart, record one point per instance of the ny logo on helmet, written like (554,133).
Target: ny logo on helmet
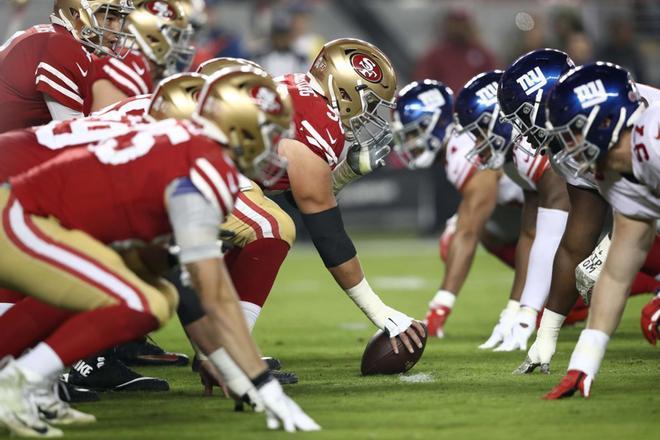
(591,93)
(488,95)
(366,67)
(432,98)
(161,9)
(532,80)
(267,99)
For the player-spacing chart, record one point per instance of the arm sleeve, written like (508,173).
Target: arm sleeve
(194,221)
(60,112)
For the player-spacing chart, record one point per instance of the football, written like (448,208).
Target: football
(379,358)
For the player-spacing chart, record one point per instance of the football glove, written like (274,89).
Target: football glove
(524,324)
(281,411)
(649,320)
(501,329)
(588,271)
(395,322)
(363,160)
(575,380)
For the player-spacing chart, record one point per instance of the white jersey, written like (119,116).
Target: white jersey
(651,94)
(645,144)
(526,170)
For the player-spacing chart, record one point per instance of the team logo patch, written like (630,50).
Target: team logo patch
(487,95)
(432,98)
(532,80)
(366,67)
(267,99)
(591,93)
(161,9)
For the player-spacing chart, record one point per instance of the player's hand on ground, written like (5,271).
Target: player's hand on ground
(575,380)
(209,378)
(533,361)
(524,324)
(435,320)
(501,329)
(649,320)
(363,160)
(282,411)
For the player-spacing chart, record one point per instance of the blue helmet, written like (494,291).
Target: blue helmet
(422,122)
(477,112)
(524,87)
(586,111)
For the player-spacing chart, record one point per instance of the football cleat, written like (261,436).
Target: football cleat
(107,373)
(285,377)
(575,380)
(528,366)
(435,320)
(54,410)
(649,320)
(145,352)
(18,411)
(74,394)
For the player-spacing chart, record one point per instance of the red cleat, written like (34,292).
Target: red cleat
(578,313)
(435,321)
(649,320)
(575,380)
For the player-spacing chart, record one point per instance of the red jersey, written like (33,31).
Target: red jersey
(116,190)
(132,108)
(45,59)
(21,150)
(316,123)
(130,75)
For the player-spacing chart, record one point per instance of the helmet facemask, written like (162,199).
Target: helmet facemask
(521,120)
(414,142)
(95,32)
(490,149)
(577,156)
(268,167)
(371,127)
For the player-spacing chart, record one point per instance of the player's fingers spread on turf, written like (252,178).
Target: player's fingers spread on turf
(413,335)
(271,421)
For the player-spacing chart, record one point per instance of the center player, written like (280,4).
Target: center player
(192,184)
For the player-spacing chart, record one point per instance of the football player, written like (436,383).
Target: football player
(192,184)
(422,125)
(341,109)
(521,92)
(161,32)
(45,68)
(604,125)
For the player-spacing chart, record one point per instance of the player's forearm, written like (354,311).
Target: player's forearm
(459,260)
(521,259)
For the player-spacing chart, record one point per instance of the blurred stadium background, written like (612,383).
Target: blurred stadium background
(446,40)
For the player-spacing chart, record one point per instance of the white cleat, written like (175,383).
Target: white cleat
(54,410)
(18,412)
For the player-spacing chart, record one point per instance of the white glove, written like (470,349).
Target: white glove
(395,322)
(363,160)
(282,411)
(524,324)
(501,329)
(541,352)
(588,271)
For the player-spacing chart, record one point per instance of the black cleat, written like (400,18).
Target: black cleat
(285,377)
(107,373)
(145,352)
(273,363)
(73,394)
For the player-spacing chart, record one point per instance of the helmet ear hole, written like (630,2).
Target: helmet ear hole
(345,95)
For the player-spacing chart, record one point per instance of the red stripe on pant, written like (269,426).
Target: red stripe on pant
(274,226)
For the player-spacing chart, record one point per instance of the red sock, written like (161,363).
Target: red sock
(26,323)
(505,253)
(88,333)
(10,297)
(643,283)
(254,268)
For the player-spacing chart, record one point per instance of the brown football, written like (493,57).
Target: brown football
(379,358)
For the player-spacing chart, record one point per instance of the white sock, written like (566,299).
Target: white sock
(550,225)
(251,312)
(40,363)
(589,351)
(4,307)
(443,298)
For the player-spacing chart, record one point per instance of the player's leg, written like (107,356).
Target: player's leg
(583,227)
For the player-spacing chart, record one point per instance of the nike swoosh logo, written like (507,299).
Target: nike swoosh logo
(82,72)
(332,140)
(140,71)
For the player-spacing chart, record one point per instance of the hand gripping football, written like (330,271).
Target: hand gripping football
(379,358)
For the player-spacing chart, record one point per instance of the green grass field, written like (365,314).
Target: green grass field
(317,332)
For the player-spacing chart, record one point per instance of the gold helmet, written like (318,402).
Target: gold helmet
(244,109)
(360,83)
(81,18)
(176,96)
(216,64)
(163,33)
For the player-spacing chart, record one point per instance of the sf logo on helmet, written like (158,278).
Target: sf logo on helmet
(591,93)
(161,9)
(267,99)
(366,67)
(532,80)
(487,95)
